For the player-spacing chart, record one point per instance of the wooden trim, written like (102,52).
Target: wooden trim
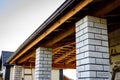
(72,12)
(64,66)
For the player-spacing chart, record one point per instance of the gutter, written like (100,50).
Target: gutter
(66,6)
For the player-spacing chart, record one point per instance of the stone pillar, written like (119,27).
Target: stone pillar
(43,64)
(17,72)
(92,57)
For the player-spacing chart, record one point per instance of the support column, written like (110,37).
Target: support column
(17,72)
(43,64)
(92,57)
(61,74)
(7,73)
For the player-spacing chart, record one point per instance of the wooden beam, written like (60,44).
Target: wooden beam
(61,47)
(64,55)
(54,52)
(65,45)
(70,60)
(28,64)
(61,36)
(64,66)
(25,58)
(68,15)
(106,8)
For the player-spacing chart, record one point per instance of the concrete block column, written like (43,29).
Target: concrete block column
(92,57)
(43,64)
(17,72)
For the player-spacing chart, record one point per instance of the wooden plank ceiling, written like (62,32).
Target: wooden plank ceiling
(61,36)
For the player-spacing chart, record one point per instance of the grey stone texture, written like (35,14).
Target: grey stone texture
(43,65)
(17,72)
(92,57)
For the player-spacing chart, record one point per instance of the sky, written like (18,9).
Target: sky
(20,18)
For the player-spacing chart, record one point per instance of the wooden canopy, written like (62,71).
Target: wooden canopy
(58,31)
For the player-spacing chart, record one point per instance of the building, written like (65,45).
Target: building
(7,70)
(80,34)
(5,67)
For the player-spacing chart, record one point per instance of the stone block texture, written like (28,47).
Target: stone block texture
(17,72)
(92,57)
(43,64)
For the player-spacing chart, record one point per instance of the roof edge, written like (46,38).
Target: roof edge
(55,15)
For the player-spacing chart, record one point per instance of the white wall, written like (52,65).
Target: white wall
(55,74)
(11,73)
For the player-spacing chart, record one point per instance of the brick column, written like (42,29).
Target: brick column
(43,64)
(92,57)
(17,72)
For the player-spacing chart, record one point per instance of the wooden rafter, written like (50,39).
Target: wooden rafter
(64,66)
(28,64)
(70,60)
(68,44)
(54,52)
(25,58)
(61,36)
(64,55)
(61,47)
(68,15)
(106,8)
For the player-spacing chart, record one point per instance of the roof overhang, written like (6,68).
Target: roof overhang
(58,31)
(30,42)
